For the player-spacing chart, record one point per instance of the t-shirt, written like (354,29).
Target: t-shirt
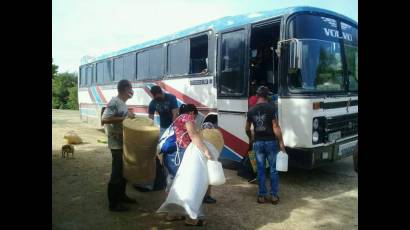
(181,133)
(164,109)
(261,116)
(252,101)
(115,108)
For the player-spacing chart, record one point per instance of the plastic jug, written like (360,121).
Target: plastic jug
(282,162)
(215,173)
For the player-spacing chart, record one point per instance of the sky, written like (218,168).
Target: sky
(96,27)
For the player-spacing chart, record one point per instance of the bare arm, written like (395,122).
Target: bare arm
(151,116)
(249,134)
(174,114)
(116,120)
(278,134)
(112,120)
(196,139)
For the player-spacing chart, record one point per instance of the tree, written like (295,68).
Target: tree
(54,69)
(64,91)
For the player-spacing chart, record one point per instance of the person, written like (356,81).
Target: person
(265,142)
(170,159)
(165,105)
(186,133)
(115,112)
(252,92)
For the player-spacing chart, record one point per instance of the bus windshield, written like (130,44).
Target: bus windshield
(317,47)
(319,67)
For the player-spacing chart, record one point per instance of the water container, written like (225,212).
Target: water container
(215,173)
(282,162)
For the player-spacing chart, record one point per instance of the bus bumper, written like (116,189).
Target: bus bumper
(309,158)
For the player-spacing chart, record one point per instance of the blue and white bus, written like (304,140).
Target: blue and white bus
(307,56)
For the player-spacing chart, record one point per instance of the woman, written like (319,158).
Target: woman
(186,133)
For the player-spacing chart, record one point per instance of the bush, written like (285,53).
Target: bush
(64,90)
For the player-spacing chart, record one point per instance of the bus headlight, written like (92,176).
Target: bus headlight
(315,123)
(315,136)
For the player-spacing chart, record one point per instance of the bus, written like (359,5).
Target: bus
(307,56)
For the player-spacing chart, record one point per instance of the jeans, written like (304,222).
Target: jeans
(117,183)
(263,150)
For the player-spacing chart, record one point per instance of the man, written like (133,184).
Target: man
(265,142)
(165,105)
(112,118)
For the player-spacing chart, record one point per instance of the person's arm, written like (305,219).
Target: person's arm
(109,117)
(112,120)
(278,134)
(249,134)
(174,108)
(196,139)
(151,110)
(174,114)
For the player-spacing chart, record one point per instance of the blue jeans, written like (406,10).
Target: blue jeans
(263,150)
(170,163)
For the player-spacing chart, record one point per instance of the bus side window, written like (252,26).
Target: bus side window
(198,54)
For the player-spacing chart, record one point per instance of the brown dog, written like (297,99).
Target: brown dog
(66,150)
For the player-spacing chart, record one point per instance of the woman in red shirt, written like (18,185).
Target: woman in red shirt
(186,133)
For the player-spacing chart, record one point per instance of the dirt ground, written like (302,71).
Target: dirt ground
(324,198)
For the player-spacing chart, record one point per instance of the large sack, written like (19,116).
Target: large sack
(190,184)
(213,136)
(72,138)
(140,142)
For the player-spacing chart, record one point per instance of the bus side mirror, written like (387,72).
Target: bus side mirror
(294,54)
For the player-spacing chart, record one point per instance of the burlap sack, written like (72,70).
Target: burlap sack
(140,142)
(213,136)
(72,138)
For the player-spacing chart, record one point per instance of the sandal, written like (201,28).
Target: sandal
(275,202)
(261,200)
(174,218)
(198,222)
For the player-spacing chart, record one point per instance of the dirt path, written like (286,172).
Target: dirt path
(324,198)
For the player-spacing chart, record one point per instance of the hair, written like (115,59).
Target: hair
(186,108)
(123,84)
(155,90)
(263,91)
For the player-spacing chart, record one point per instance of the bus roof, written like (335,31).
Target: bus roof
(216,25)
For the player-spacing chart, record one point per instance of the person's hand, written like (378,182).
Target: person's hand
(282,147)
(131,114)
(250,145)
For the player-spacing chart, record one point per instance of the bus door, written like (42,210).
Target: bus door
(232,96)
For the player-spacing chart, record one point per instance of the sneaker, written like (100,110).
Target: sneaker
(119,208)
(252,180)
(209,200)
(128,200)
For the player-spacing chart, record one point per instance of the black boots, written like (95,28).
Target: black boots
(116,197)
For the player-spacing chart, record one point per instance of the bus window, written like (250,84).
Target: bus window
(107,71)
(178,58)
(129,66)
(232,79)
(156,62)
(198,54)
(82,76)
(142,65)
(118,69)
(100,73)
(89,75)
